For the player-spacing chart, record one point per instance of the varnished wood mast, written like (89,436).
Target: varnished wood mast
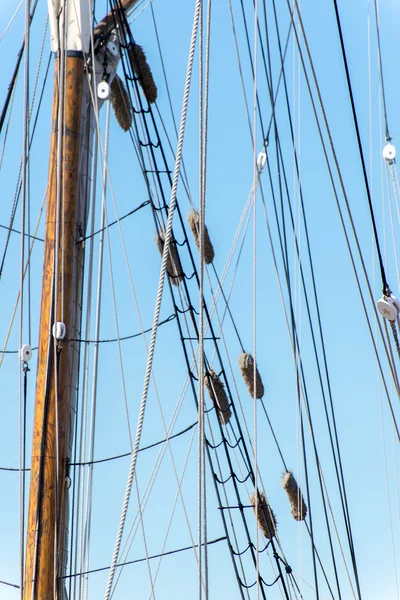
(46,505)
(57,361)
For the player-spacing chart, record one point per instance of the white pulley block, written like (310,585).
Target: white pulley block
(25,352)
(261,160)
(103,90)
(388,307)
(67,482)
(59,330)
(389,152)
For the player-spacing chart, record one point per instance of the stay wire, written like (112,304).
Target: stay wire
(296,351)
(385,285)
(378,36)
(342,493)
(139,560)
(351,221)
(268,168)
(15,73)
(25,183)
(19,183)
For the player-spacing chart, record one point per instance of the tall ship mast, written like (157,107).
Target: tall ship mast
(199,288)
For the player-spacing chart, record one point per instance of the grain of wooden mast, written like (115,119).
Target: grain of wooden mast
(46,498)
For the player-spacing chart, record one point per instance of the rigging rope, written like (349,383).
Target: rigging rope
(22,403)
(201,501)
(256,495)
(158,304)
(388,138)
(385,286)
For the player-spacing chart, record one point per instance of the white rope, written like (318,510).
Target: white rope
(157,307)
(114,301)
(255,180)
(202,207)
(85,393)
(200,370)
(12,19)
(396,258)
(16,304)
(177,496)
(152,478)
(56,274)
(95,358)
(25,151)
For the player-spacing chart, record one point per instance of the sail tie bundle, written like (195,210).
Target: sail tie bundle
(174,266)
(264,514)
(246,364)
(217,393)
(121,103)
(194,222)
(298,507)
(142,71)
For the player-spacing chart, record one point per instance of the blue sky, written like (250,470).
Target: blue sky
(364,425)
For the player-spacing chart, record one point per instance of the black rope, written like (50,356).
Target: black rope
(131,212)
(33,237)
(10,584)
(145,115)
(105,341)
(385,285)
(163,441)
(15,74)
(284,252)
(273,434)
(139,560)
(126,337)
(247,587)
(286,272)
(18,191)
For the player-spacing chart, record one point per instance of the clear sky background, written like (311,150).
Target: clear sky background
(367,441)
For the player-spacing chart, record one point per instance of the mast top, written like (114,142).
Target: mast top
(74,17)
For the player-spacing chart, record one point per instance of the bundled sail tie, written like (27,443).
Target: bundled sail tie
(174,266)
(194,222)
(298,507)
(121,103)
(246,364)
(142,71)
(265,516)
(217,393)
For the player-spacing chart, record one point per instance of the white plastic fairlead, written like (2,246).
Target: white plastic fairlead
(25,352)
(261,160)
(103,90)
(389,307)
(389,152)
(59,330)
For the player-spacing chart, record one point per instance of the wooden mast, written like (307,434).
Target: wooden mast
(61,288)
(56,360)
